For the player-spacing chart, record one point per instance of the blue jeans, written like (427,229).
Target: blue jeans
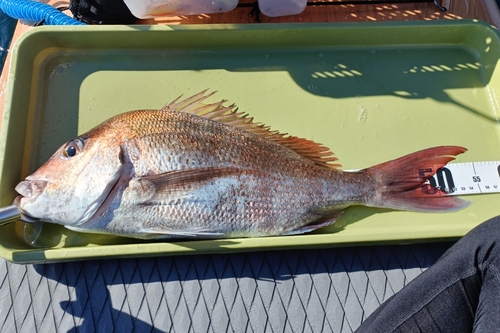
(459,293)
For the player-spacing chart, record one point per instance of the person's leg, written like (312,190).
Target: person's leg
(488,312)
(459,293)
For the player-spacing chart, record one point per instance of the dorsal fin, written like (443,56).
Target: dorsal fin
(229,115)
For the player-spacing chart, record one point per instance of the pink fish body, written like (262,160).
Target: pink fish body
(203,170)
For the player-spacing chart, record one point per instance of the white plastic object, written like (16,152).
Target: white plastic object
(154,8)
(275,8)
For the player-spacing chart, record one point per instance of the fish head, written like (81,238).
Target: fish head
(75,181)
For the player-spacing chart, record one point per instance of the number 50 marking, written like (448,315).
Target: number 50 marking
(444,182)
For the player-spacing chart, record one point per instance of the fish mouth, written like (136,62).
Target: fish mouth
(29,190)
(24,217)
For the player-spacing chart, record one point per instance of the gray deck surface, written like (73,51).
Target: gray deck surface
(328,290)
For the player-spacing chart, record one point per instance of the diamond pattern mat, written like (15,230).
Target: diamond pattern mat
(327,290)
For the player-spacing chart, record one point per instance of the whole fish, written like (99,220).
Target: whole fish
(202,170)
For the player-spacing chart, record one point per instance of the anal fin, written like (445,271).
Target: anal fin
(320,223)
(195,232)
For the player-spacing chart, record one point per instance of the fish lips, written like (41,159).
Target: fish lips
(28,190)
(24,217)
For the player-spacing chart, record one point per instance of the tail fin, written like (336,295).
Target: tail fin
(402,182)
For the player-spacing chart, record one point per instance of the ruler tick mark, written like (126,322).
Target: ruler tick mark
(468,178)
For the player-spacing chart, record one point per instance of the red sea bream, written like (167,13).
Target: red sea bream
(201,170)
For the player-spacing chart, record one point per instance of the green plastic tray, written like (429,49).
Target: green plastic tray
(370,92)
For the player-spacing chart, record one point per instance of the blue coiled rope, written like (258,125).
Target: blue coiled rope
(36,12)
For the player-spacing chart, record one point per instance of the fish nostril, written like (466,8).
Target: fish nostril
(31,188)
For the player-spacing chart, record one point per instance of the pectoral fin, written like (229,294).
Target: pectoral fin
(168,185)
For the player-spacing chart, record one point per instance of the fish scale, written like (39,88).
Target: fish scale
(203,170)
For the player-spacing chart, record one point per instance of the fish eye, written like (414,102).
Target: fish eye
(73,147)
(70,151)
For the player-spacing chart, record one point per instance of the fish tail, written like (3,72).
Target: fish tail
(402,182)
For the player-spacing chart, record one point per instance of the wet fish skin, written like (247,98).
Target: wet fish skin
(195,169)
(233,186)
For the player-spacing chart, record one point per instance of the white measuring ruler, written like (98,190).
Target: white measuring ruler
(468,178)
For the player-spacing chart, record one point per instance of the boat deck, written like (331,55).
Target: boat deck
(328,290)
